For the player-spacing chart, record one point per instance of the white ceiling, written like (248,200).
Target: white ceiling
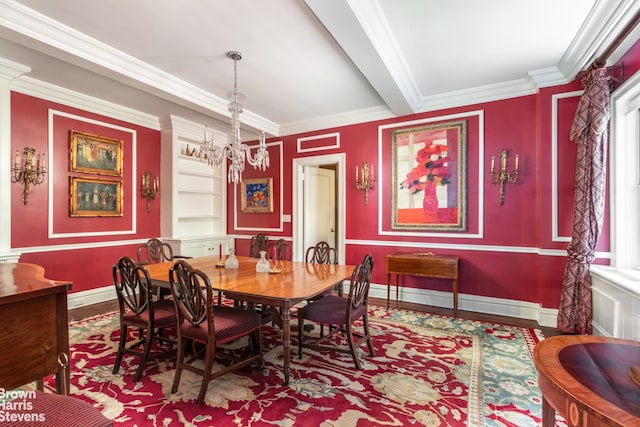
(306,64)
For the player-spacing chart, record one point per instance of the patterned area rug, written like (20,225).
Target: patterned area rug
(428,370)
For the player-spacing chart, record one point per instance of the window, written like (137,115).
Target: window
(625,175)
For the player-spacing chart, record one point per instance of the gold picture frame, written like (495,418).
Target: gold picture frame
(256,195)
(95,154)
(429,177)
(94,197)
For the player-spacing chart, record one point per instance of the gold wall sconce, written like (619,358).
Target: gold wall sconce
(503,177)
(26,172)
(365,182)
(149,189)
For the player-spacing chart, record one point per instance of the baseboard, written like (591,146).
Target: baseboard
(92,296)
(479,304)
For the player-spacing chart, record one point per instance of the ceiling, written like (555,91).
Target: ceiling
(308,64)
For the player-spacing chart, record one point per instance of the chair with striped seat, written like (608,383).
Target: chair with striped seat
(142,310)
(201,320)
(341,313)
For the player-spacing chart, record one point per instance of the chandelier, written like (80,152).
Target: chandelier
(235,150)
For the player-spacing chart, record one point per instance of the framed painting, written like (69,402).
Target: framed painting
(429,177)
(95,154)
(256,195)
(92,197)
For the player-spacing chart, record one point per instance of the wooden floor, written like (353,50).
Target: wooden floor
(108,306)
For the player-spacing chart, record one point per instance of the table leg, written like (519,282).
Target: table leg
(455,298)
(397,288)
(548,414)
(286,343)
(388,289)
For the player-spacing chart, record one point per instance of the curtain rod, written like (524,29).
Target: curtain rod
(601,61)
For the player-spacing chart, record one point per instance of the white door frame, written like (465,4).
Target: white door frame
(298,208)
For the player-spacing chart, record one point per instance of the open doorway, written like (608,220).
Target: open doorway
(313,201)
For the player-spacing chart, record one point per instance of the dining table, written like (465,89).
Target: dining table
(286,284)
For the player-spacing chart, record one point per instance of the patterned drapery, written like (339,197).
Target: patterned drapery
(590,133)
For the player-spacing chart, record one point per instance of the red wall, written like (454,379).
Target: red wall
(35,122)
(516,258)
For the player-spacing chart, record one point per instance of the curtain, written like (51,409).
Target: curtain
(590,133)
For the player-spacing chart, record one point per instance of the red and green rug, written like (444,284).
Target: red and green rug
(428,370)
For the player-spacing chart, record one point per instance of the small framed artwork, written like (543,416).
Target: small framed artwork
(94,197)
(429,177)
(256,195)
(95,154)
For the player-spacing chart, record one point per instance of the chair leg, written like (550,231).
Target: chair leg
(121,344)
(145,354)
(258,337)
(179,362)
(352,346)
(206,375)
(365,323)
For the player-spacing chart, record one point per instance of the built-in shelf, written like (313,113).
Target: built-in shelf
(187,172)
(196,191)
(196,204)
(195,217)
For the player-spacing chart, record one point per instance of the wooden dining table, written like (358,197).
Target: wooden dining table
(290,283)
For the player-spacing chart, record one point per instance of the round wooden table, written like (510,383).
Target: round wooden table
(586,380)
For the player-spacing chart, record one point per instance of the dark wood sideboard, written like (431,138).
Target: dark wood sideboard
(34,327)
(426,265)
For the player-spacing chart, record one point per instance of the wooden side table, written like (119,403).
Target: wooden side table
(426,265)
(586,380)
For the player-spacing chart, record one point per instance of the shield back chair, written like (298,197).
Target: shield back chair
(140,310)
(155,251)
(283,250)
(321,253)
(259,242)
(341,312)
(199,320)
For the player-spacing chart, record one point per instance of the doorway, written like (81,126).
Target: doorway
(305,206)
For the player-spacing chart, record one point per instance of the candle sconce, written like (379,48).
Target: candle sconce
(149,189)
(26,172)
(366,182)
(503,177)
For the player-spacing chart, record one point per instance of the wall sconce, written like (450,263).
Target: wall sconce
(150,189)
(503,177)
(367,181)
(28,173)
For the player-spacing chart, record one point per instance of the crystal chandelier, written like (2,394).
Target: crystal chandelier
(235,151)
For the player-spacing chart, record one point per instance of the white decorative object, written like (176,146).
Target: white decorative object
(263,266)
(231,262)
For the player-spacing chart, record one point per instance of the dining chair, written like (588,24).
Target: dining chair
(201,321)
(341,313)
(140,309)
(259,242)
(321,253)
(283,250)
(60,410)
(155,251)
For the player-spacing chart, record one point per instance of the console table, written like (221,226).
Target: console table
(34,327)
(426,265)
(586,380)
